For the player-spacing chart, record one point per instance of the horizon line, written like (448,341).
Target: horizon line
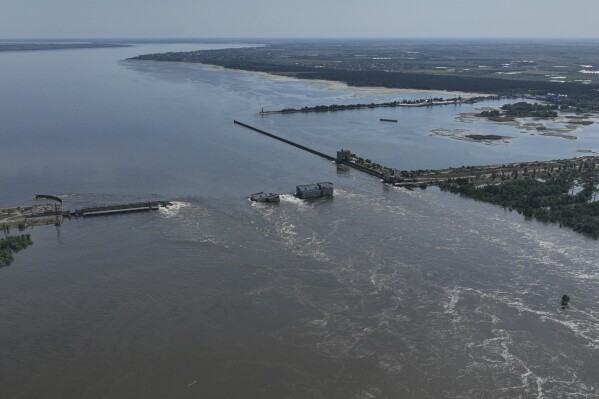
(264,38)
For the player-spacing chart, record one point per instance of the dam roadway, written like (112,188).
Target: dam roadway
(349,163)
(482,174)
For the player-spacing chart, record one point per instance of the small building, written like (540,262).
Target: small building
(555,97)
(388,176)
(343,156)
(314,190)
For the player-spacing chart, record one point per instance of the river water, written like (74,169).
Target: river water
(377,293)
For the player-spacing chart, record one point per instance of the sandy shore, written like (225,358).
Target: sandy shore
(337,85)
(539,126)
(462,134)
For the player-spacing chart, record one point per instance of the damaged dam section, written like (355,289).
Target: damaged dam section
(46,214)
(539,189)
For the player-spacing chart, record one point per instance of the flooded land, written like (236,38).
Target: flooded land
(378,292)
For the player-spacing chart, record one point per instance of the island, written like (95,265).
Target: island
(509,112)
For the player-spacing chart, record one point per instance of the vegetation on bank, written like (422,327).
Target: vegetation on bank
(581,98)
(522,110)
(390,104)
(390,79)
(526,68)
(11,245)
(565,197)
(423,81)
(491,137)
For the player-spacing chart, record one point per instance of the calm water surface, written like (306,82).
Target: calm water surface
(377,293)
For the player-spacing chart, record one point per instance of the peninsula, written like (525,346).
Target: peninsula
(528,68)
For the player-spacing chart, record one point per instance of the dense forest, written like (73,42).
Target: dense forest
(392,79)
(567,198)
(420,81)
(522,110)
(12,244)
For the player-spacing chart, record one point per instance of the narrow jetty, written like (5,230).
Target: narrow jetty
(48,196)
(119,208)
(44,214)
(301,147)
(345,160)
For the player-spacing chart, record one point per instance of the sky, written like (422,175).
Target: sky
(298,18)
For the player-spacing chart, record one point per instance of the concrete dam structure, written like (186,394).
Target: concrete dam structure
(314,190)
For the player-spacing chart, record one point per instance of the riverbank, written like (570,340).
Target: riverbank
(28,216)
(460,134)
(567,196)
(400,67)
(561,125)
(560,191)
(335,84)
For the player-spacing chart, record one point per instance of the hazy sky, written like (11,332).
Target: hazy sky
(298,18)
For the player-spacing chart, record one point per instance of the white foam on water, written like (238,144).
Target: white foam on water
(173,210)
(339,192)
(390,364)
(321,323)
(546,248)
(496,354)
(265,208)
(369,393)
(453,298)
(583,325)
(306,243)
(292,199)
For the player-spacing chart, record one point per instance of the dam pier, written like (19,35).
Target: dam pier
(344,159)
(44,214)
(478,175)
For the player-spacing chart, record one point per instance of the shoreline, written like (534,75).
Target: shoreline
(538,126)
(338,85)
(464,135)
(419,103)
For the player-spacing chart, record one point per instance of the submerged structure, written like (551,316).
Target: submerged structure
(314,190)
(565,301)
(265,197)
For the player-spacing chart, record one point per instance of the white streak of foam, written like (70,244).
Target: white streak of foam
(499,346)
(584,329)
(292,199)
(454,297)
(173,210)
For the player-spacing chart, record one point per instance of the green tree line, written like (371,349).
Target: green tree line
(12,244)
(550,200)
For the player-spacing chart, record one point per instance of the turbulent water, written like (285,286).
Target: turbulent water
(379,292)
